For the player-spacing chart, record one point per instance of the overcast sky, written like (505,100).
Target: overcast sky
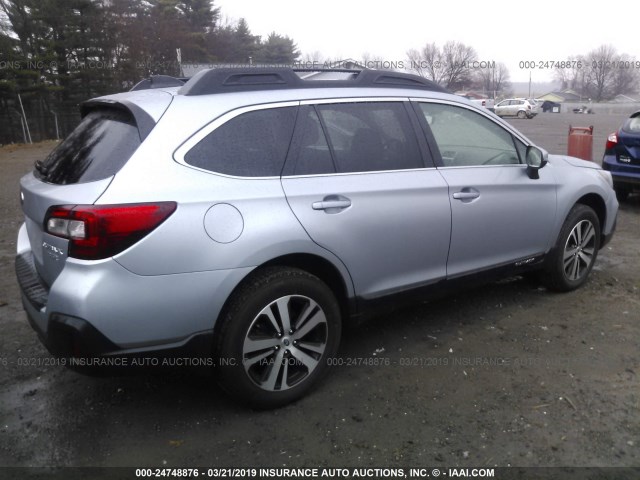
(501,31)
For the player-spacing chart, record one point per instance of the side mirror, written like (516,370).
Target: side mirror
(536,159)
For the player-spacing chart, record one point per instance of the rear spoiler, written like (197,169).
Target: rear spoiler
(144,121)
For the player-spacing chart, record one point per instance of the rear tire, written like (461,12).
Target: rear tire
(522,114)
(622,193)
(575,251)
(277,337)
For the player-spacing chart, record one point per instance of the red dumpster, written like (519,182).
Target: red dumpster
(580,142)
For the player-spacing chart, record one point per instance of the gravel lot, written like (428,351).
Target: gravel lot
(508,374)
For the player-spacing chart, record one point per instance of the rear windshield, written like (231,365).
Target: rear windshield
(97,149)
(632,125)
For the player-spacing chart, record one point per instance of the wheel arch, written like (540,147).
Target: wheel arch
(596,202)
(310,263)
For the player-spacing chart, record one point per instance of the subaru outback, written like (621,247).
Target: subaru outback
(244,216)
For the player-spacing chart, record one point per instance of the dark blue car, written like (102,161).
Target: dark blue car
(622,157)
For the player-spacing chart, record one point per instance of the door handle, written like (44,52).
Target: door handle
(466,195)
(326,204)
(332,204)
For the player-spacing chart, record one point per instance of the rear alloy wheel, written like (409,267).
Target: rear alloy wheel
(522,114)
(279,332)
(575,252)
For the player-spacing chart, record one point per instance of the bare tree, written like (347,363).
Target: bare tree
(428,62)
(600,71)
(492,79)
(625,78)
(450,66)
(458,58)
(570,73)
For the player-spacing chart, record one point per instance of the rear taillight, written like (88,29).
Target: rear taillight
(612,141)
(102,231)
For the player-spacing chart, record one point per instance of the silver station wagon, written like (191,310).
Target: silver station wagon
(246,215)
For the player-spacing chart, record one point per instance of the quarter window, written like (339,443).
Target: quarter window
(466,138)
(253,144)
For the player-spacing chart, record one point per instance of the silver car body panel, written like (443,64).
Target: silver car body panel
(411,225)
(478,237)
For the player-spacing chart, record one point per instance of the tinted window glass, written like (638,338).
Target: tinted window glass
(368,137)
(253,144)
(98,148)
(467,138)
(314,157)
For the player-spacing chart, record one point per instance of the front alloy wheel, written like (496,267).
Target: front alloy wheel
(579,250)
(576,250)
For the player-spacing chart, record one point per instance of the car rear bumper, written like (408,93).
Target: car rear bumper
(622,173)
(99,308)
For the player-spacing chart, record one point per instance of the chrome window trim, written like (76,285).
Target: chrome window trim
(517,165)
(374,172)
(192,141)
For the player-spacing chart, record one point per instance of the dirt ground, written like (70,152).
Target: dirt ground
(508,374)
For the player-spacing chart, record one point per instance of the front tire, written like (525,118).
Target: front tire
(575,252)
(278,334)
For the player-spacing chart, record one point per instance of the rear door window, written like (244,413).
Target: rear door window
(98,148)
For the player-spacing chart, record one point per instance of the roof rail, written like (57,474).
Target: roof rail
(227,80)
(159,81)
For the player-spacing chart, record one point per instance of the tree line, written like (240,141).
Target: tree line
(601,74)
(457,66)
(54,54)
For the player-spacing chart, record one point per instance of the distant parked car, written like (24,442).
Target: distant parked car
(516,107)
(622,157)
(487,103)
(548,106)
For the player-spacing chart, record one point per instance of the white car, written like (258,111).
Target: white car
(516,107)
